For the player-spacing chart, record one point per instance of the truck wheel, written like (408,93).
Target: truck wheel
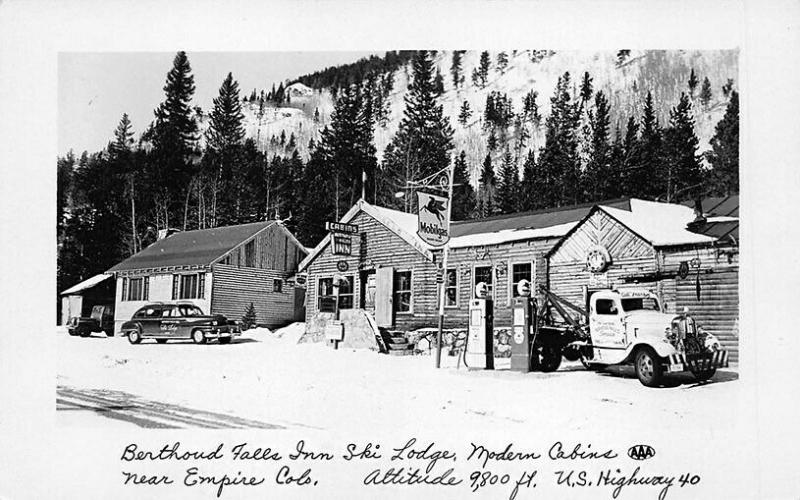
(109,333)
(198,337)
(551,359)
(648,367)
(134,337)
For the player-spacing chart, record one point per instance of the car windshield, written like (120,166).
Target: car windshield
(190,311)
(637,304)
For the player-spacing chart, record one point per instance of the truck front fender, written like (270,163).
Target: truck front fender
(663,349)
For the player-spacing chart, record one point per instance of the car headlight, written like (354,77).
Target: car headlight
(214,323)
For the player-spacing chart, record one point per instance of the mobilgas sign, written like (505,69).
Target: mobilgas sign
(433,226)
(341,227)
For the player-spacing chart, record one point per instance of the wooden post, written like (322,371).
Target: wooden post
(443,287)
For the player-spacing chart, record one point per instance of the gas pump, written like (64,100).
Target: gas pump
(480,339)
(523,317)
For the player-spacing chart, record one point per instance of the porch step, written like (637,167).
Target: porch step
(401,352)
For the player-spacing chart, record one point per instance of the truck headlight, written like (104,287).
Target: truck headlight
(214,323)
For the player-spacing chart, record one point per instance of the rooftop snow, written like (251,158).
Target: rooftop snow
(662,224)
(86,284)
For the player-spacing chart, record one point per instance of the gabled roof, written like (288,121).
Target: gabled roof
(201,247)
(721,218)
(400,223)
(86,284)
(660,224)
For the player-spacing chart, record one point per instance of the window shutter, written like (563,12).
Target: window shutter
(201,286)
(175,280)
(124,289)
(146,295)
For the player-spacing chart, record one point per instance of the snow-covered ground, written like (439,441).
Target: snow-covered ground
(267,376)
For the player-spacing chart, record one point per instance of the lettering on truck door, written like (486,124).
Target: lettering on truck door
(606,323)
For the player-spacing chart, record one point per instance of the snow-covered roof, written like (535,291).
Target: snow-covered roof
(509,235)
(402,224)
(86,284)
(661,224)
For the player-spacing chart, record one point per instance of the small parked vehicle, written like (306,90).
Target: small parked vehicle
(101,320)
(164,322)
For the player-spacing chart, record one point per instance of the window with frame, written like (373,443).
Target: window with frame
(277,285)
(342,244)
(250,254)
(188,286)
(326,299)
(483,274)
(402,291)
(519,272)
(135,288)
(606,306)
(346,293)
(451,288)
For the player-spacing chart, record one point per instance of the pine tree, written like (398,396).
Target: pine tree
(692,83)
(600,180)
(491,142)
(225,128)
(463,194)
(502,62)
(649,179)
(174,136)
(508,186)
(558,161)
(483,69)
(486,189)
(724,154)
(249,317)
(683,169)
(438,83)
(316,115)
(455,68)
(423,140)
(727,88)
(705,92)
(531,184)
(465,114)
(586,87)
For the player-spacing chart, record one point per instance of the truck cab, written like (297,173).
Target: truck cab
(631,325)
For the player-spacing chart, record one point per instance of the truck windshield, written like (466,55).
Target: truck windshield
(637,304)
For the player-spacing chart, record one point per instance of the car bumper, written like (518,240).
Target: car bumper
(682,362)
(222,332)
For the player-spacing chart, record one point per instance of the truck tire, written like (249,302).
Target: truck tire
(134,336)
(648,366)
(550,359)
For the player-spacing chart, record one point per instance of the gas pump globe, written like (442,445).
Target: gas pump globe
(480,338)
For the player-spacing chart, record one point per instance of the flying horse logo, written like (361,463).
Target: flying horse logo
(436,208)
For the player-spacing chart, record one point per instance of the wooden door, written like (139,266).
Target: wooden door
(384,307)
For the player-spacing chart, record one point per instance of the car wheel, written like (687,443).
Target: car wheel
(161,341)
(648,367)
(225,340)
(703,375)
(72,333)
(198,337)
(134,337)
(109,333)
(85,333)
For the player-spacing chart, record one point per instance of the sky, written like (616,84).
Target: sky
(95,89)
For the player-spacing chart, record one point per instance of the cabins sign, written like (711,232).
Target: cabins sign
(433,219)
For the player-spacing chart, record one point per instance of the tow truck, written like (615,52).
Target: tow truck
(621,327)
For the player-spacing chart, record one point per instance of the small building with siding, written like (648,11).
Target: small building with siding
(688,257)
(392,274)
(78,300)
(222,270)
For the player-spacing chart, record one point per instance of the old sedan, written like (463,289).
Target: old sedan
(164,322)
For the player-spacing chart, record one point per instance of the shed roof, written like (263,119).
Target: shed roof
(86,284)
(661,224)
(726,206)
(192,248)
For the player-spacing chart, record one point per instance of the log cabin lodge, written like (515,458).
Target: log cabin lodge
(687,254)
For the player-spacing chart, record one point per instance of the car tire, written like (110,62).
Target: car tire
(134,336)
(649,369)
(703,375)
(85,333)
(198,337)
(72,333)
(161,341)
(109,333)
(225,340)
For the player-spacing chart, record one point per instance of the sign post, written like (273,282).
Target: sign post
(433,217)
